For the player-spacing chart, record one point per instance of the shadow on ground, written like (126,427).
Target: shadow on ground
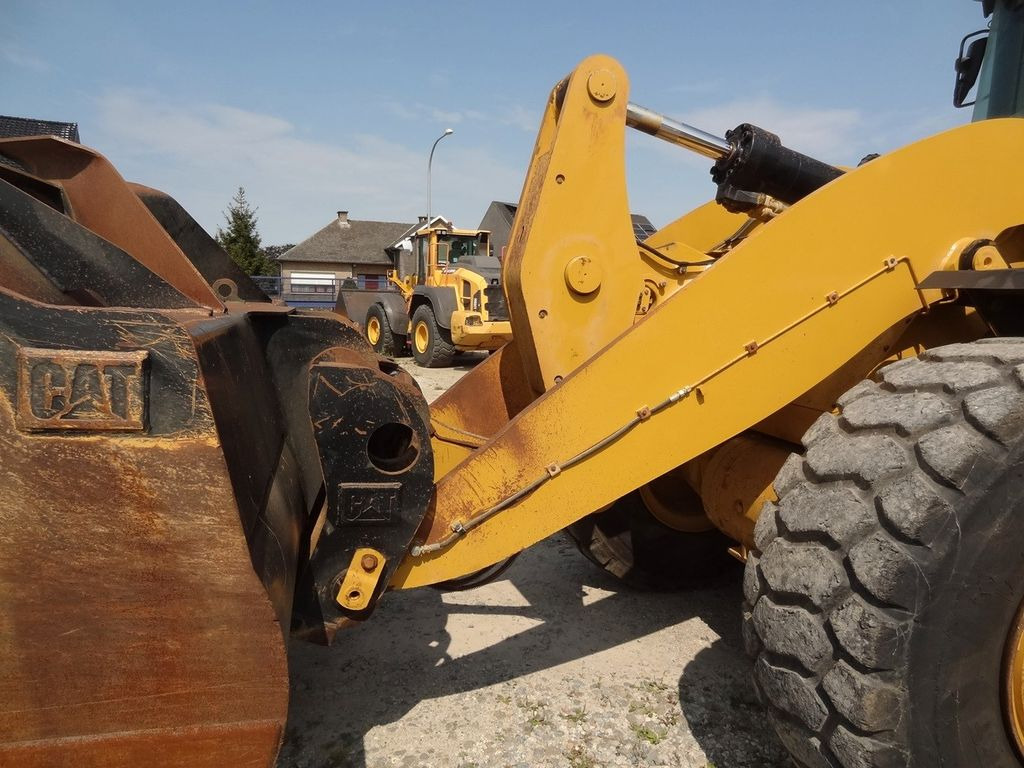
(717,699)
(376,673)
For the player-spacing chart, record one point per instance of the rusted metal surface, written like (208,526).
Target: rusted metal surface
(81,390)
(46,256)
(43,191)
(101,200)
(132,621)
(486,398)
(245,744)
(160,527)
(476,407)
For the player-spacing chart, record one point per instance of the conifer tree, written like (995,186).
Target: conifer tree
(240,239)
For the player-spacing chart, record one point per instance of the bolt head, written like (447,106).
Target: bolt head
(601,85)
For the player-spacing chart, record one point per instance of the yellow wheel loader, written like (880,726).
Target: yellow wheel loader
(451,302)
(820,373)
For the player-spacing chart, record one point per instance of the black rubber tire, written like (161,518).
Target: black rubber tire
(643,553)
(386,344)
(439,351)
(887,578)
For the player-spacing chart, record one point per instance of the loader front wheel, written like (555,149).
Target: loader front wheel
(379,333)
(431,344)
(630,542)
(883,604)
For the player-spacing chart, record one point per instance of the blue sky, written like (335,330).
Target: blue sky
(318,107)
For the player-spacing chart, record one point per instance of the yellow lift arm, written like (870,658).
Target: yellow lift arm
(598,396)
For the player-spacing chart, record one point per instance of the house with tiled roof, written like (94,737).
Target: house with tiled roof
(11,127)
(346,252)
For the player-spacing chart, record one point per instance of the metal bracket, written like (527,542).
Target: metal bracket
(374,446)
(361,579)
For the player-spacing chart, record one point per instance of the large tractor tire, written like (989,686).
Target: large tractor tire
(884,602)
(644,553)
(380,334)
(431,344)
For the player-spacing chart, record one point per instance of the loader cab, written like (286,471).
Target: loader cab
(440,251)
(455,248)
(994,59)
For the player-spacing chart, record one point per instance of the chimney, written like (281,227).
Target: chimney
(423,220)
(343,219)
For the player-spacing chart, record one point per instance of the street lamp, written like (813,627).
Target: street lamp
(430,161)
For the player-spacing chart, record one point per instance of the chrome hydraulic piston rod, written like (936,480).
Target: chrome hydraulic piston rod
(675,132)
(748,160)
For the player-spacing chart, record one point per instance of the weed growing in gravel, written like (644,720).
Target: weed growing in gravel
(648,734)
(641,706)
(578,715)
(670,719)
(536,709)
(536,720)
(652,686)
(578,757)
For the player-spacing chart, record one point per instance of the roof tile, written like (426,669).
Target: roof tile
(349,242)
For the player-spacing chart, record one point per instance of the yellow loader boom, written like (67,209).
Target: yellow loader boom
(757,329)
(674,384)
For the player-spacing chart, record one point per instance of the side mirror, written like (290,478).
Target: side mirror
(968,65)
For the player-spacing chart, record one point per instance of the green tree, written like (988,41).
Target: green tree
(272,253)
(240,239)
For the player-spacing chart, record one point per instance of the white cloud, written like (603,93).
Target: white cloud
(827,134)
(439,79)
(700,86)
(446,116)
(14,55)
(514,115)
(519,117)
(418,111)
(201,153)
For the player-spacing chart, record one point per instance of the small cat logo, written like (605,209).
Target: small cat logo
(373,503)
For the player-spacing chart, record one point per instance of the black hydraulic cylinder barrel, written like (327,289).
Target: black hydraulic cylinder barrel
(759,163)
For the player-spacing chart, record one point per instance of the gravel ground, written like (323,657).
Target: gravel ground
(434,381)
(555,664)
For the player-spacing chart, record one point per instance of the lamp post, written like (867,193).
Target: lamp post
(430,161)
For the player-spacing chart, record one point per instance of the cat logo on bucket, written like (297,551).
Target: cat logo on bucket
(84,390)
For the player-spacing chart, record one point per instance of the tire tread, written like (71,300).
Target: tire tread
(843,559)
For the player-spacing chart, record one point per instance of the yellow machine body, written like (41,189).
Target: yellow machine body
(754,346)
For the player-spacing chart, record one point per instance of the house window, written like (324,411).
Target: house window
(311,282)
(371,282)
